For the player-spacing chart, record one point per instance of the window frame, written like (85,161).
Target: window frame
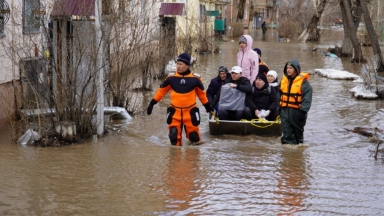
(2,27)
(28,28)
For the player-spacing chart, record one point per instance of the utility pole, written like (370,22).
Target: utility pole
(231,8)
(100,68)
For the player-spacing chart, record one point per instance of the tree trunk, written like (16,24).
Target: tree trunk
(358,56)
(347,48)
(372,36)
(251,14)
(240,11)
(312,33)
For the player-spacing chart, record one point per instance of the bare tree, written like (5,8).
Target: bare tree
(67,90)
(345,5)
(240,10)
(347,47)
(294,16)
(312,33)
(372,36)
(135,56)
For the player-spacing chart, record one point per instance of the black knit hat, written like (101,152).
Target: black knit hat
(184,57)
(257,50)
(262,77)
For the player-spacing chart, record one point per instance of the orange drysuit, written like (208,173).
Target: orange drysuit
(183,113)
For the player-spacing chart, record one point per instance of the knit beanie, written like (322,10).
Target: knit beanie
(184,57)
(273,73)
(258,51)
(243,39)
(262,77)
(223,69)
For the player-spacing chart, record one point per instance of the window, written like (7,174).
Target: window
(4,15)
(144,11)
(31,16)
(1,24)
(202,12)
(122,5)
(106,7)
(268,13)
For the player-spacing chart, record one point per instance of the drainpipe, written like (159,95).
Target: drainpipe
(231,9)
(99,67)
(14,83)
(186,19)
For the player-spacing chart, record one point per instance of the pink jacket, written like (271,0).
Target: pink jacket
(248,60)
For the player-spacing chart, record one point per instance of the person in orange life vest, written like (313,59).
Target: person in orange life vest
(263,67)
(247,59)
(295,101)
(184,85)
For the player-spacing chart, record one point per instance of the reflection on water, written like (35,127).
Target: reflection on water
(135,171)
(292,182)
(182,177)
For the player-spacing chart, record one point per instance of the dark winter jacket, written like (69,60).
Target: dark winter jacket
(264,98)
(263,68)
(243,85)
(215,86)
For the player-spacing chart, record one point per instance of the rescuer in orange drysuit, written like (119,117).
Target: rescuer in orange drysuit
(184,85)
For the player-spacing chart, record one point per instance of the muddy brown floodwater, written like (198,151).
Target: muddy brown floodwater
(135,171)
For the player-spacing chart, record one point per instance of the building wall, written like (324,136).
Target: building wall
(259,7)
(14,45)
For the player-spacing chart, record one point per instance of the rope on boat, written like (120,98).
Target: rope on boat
(215,117)
(261,120)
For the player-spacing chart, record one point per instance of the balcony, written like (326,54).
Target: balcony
(270,3)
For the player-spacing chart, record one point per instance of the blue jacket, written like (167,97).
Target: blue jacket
(214,87)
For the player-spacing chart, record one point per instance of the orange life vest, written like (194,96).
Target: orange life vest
(263,69)
(291,96)
(184,89)
(263,63)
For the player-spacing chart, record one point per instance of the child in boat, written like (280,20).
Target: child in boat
(263,97)
(272,79)
(247,58)
(263,67)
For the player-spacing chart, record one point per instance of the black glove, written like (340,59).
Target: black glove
(208,107)
(301,116)
(150,106)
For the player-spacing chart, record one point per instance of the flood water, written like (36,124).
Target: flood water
(135,171)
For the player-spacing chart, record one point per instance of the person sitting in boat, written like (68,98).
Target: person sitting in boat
(272,80)
(263,101)
(216,83)
(263,67)
(232,96)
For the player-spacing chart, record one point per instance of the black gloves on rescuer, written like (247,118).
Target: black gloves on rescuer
(208,107)
(301,116)
(150,106)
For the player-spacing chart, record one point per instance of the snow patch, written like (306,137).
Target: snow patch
(360,92)
(336,74)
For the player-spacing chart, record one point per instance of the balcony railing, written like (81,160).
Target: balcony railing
(269,3)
